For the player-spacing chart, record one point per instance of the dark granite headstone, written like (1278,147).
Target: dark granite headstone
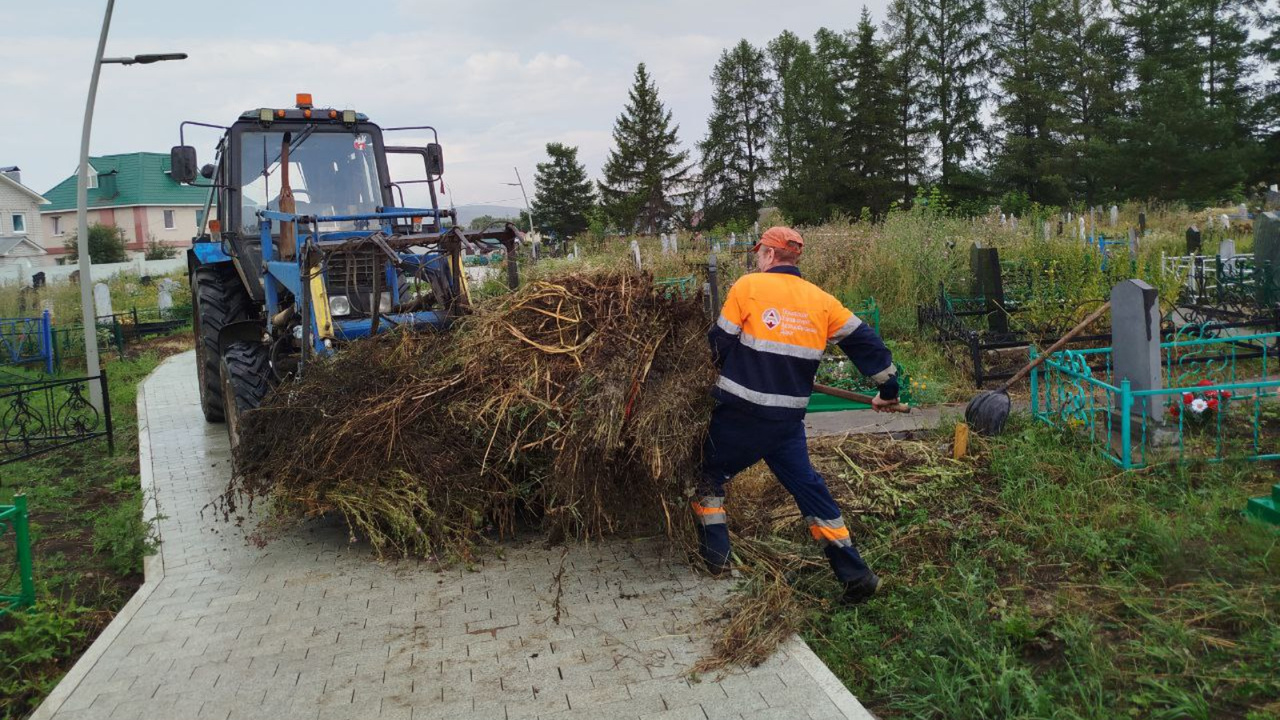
(1194,240)
(985,265)
(1142,223)
(1266,254)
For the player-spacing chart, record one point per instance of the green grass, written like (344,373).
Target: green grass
(88,540)
(1057,587)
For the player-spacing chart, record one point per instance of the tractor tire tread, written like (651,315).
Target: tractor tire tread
(219,300)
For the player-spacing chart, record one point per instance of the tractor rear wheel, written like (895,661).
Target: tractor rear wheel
(245,373)
(219,298)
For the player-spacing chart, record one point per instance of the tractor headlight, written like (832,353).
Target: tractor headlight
(339,305)
(384,303)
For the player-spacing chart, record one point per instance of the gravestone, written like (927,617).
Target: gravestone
(102,302)
(1194,241)
(1243,211)
(664,243)
(1227,254)
(1133,245)
(715,247)
(1059,228)
(675,247)
(1266,254)
(1048,230)
(1226,222)
(1002,218)
(1115,215)
(164,300)
(1135,342)
(984,263)
(38,280)
(1142,223)
(635,253)
(575,251)
(1082,235)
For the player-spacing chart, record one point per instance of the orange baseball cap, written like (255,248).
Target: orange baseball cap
(779,237)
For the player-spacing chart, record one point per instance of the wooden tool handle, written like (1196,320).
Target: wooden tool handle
(1055,347)
(856,397)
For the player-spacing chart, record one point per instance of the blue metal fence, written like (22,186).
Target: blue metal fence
(27,340)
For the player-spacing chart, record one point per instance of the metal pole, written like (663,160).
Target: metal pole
(87,314)
(527,207)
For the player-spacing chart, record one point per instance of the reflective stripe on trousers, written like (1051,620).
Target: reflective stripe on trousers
(829,532)
(709,510)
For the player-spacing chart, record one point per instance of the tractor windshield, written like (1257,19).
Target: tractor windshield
(330,173)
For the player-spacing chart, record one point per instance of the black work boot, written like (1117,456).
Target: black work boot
(858,592)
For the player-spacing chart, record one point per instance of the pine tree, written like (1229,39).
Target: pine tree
(646,174)
(1020,53)
(563,194)
(868,132)
(905,42)
(1087,57)
(734,152)
(954,38)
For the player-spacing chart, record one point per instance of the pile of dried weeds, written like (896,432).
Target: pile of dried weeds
(577,403)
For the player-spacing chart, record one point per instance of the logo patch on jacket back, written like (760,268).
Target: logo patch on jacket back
(771,318)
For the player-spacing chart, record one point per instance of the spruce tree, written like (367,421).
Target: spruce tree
(954,66)
(1174,149)
(1266,110)
(646,174)
(1087,57)
(905,42)
(868,132)
(805,144)
(563,194)
(1021,55)
(734,152)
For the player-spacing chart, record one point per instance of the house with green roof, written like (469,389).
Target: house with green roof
(134,192)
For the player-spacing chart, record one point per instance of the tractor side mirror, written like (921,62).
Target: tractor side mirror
(182,164)
(435,159)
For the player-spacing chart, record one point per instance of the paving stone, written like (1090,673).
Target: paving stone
(311,626)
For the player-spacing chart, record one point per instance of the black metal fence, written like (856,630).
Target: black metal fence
(43,415)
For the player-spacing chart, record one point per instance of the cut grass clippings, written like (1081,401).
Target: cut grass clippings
(1045,583)
(88,540)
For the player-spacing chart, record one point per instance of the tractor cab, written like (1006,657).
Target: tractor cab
(307,243)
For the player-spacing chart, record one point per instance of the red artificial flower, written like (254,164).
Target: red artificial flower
(1204,383)
(1187,398)
(1213,404)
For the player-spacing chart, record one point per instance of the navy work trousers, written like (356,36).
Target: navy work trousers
(737,440)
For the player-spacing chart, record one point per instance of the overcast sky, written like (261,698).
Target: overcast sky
(498,79)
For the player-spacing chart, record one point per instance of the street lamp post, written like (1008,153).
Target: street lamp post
(88,315)
(527,207)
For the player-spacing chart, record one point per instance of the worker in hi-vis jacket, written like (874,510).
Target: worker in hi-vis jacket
(767,342)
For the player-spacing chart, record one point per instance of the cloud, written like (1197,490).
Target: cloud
(499,79)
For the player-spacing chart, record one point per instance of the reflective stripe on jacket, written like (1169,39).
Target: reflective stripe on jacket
(770,337)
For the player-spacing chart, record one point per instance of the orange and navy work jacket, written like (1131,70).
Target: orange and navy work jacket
(771,336)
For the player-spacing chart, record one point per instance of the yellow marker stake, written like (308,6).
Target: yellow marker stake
(960,447)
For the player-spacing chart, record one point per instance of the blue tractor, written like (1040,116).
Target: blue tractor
(303,247)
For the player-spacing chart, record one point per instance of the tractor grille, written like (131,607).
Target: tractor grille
(349,272)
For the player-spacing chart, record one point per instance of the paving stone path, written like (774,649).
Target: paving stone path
(313,626)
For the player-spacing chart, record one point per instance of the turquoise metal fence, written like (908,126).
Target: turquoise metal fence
(14,518)
(1216,403)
